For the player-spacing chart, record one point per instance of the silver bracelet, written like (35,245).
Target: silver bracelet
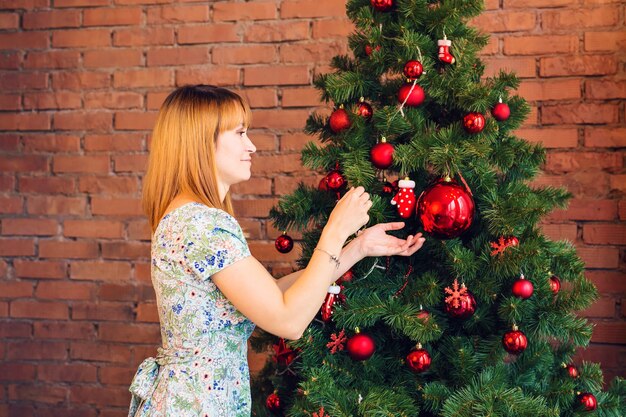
(333,258)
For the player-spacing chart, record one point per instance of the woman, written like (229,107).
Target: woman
(210,291)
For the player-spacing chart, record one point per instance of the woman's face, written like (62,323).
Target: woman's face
(233,154)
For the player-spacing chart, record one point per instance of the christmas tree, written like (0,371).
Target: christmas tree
(482,320)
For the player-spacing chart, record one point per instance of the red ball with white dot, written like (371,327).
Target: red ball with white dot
(381,155)
(587,401)
(418,360)
(555,284)
(339,120)
(284,243)
(501,112)
(413,70)
(405,200)
(514,341)
(360,347)
(382,5)
(522,288)
(474,122)
(411,95)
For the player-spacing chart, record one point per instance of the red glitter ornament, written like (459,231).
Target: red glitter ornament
(331,299)
(382,5)
(272,402)
(360,346)
(522,288)
(411,95)
(514,341)
(587,401)
(413,70)
(474,122)
(445,209)
(284,243)
(339,120)
(381,154)
(418,360)
(323,185)
(501,111)
(334,180)
(283,354)
(555,284)
(364,109)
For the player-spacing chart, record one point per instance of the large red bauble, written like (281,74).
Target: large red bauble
(474,122)
(555,284)
(445,209)
(272,402)
(514,341)
(339,120)
(360,347)
(381,155)
(284,243)
(418,360)
(334,180)
(382,5)
(465,309)
(501,112)
(413,70)
(587,401)
(364,110)
(414,95)
(522,288)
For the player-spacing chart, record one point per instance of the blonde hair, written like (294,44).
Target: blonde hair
(182,154)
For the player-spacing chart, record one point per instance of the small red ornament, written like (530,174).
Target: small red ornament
(283,354)
(284,243)
(460,304)
(413,69)
(339,120)
(382,5)
(388,188)
(347,276)
(423,315)
(405,199)
(381,154)
(360,346)
(522,288)
(514,341)
(445,209)
(411,95)
(444,51)
(369,49)
(503,243)
(501,111)
(320,413)
(555,284)
(331,299)
(335,180)
(272,402)
(323,185)
(572,371)
(364,109)
(418,360)
(474,122)
(587,401)
(337,342)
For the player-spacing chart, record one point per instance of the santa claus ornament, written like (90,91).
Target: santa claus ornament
(405,199)
(326,312)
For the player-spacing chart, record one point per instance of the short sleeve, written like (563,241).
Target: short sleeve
(213,242)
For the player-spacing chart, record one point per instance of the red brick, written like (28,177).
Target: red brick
(178,14)
(574,161)
(93,229)
(100,352)
(87,120)
(51,59)
(116,207)
(579,18)
(11,205)
(279,119)
(580,113)
(51,143)
(551,137)
(149,77)
(135,120)
(605,89)
(263,140)
(24,40)
(599,257)
(622,210)
(608,282)
(147,312)
(79,3)
(100,271)
(39,269)
(25,121)
(138,36)
(65,290)
(139,230)
(609,332)
(34,227)
(54,101)
(244,11)
(332,28)
(300,97)
(103,312)
(116,292)
(76,38)
(577,65)
(605,41)
(560,231)
(285,75)
(100,396)
(155,99)
(540,44)
(587,209)
(116,375)
(125,250)
(284,185)
(17,372)
(11,60)
(51,19)
(9,20)
(110,186)
(505,21)
(550,90)
(256,54)
(17,247)
(54,205)
(21,81)
(80,80)
(263,252)
(259,207)
(209,33)
(219,76)
(114,142)
(25,163)
(39,310)
(259,97)
(604,234)
(7,183)
(296,141)
(312,52)
(513,4)
(603,307)
(133,333)
(38,393)
(67,372)
(10,102)
(16,289)
(15,329)
(10,142)
(254,186)
(112,58)
(127,16)
(67,249)
(81,164)
(277,31)
(306,8)
(617,182)
(142,274)
(178,56)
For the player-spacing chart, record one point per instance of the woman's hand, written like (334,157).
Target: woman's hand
(374,241)
(350,213)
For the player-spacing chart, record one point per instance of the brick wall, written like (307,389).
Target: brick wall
(80,84)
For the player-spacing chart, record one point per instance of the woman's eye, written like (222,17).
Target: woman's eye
(242,133)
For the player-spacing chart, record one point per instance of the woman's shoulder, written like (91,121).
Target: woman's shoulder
(198,215)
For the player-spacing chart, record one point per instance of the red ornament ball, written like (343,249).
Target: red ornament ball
(474,122)
(388,188)
(284,243)
(348,276)
(587,401)
(522,288)
(410,95)
(418,360)
(381,155)
(323,185)
(360,347)
(369,49)
(514,341)
(382,5)
(501,112)
(339,120)
(445,209)
(423,315)
(364,110)
(335,180)
(572,371)
(413,70)
(272,402)
(465,309)
(555,284)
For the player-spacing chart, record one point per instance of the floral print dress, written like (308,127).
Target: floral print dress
(201,369)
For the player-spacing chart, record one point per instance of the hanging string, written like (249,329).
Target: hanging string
(406,281)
